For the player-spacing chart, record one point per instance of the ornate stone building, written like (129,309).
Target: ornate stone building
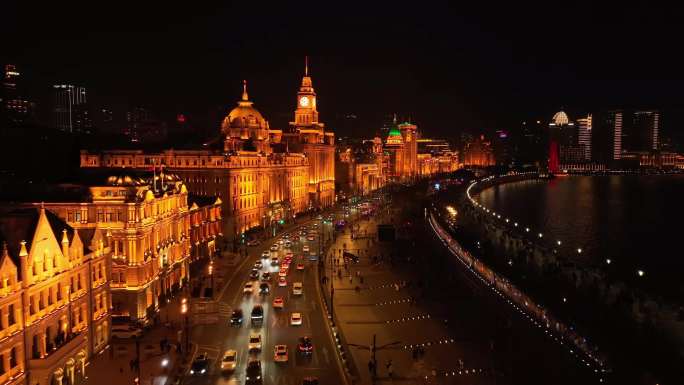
(309,137)
(54,297)
(402,151)
(261,175)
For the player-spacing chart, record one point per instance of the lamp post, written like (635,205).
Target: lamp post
(184,311)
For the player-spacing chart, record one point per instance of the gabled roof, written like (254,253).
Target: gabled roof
(20,225)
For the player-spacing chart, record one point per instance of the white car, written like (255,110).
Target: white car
(229,361)
(125,331)
(280,353)
(296,319)
(265,254)
(305,248)
(274,247)
(297,288)
(288,244)
(254,342)
(248,288)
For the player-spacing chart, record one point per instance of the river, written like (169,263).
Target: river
(633,221)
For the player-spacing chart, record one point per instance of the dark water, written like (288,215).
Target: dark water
(635,221)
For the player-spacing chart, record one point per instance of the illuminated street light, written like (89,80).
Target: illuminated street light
(608,261)
(559,242)
(641,273)
(527,229)
(515,224)
(540,235)
(579,251)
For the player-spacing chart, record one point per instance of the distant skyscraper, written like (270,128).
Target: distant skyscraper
(584,136)
(16,108)
(607,136)
(645,131)
(71,113)
(142,125)
(616,118)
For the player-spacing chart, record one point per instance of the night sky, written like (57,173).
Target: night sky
(450,68)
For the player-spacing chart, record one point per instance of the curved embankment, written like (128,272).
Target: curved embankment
(501,286)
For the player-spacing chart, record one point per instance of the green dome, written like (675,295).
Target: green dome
(394,132)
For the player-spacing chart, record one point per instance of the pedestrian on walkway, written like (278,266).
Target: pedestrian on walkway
(351,278)
(390,369)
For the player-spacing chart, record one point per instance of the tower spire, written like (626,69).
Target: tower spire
(306,65)
(245,97)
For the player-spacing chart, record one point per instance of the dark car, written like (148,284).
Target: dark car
(236,317)
(200,365)
(266,276)
(253,375)
(254,274)
(263,288)
(257,314)
(310,381)
(305,346)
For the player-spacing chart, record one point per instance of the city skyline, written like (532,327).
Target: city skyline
(456,65)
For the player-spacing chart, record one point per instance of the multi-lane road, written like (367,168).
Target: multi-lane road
(215,339)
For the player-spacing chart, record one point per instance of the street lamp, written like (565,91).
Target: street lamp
(184,311)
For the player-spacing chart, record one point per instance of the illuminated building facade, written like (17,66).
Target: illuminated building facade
(15,108)
(360,167)
(478,152)
(150,223)
(308,136)
(259,182)
(584,137)
(55,297)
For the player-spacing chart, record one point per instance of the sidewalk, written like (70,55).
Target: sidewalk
(113,365)
(388,305)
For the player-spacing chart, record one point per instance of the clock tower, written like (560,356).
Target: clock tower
(306,115)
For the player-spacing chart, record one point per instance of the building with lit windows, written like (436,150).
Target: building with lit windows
(54,299)
(151,224)
(257,175)
(308,136)
(478,152)
(401,147)
(359,167)
(71,113)
(15,108)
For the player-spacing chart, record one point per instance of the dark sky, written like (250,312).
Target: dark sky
(451,68)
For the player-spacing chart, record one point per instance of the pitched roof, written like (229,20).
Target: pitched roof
(20,225)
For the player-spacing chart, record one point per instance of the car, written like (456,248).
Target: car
(229,361)
(310,380)
(253,371)
(257,314)
(310,238)
(236,317)
(253,242)
(248,289)
(274,260)
(125,331)
(296,319)
(313,256)
(281,241)
(254,342)
(264,288)
(282,281)
(266,276)
(305,346)
(258,265)
(265,254)
(282,273)
(289,255)
(278,303)
(200,364)
(303,233)
(254,274)
(280,353)
(305,248)
(297,288)
(300,266)
(274,247)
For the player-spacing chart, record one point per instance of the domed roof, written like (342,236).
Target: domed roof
(243,116)
(394,136)
(560,118)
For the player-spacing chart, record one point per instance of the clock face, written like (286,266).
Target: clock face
(304,101)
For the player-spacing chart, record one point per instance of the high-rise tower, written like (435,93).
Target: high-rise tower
(308,135)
